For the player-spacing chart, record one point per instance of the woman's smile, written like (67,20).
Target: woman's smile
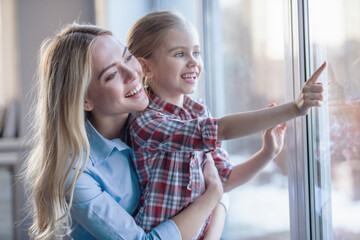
(136,91)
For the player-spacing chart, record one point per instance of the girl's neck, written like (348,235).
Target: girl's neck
(111,127)
(177,100)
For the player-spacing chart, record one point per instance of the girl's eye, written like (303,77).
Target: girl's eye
(180,54)
(111,76)
(196,53)
(128,59)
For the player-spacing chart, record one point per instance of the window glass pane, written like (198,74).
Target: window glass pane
(254,77)
(335,36)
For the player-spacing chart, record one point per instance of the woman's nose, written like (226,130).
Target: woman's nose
(128,73)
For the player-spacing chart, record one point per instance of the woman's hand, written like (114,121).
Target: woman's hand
(191,219)
(273,139)
(311,94)
(211,177)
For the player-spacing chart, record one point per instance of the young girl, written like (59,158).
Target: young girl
(170,137)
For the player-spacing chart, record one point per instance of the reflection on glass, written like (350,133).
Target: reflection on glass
(335,36)
(254,77)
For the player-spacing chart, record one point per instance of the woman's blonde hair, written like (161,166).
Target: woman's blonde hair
(59,141)
(149,32)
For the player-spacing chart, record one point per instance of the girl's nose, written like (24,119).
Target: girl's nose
(193,61)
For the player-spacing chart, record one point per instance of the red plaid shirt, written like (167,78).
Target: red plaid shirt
(169,143)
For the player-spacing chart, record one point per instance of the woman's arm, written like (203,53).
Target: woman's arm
(217,223)
(103,217)
(242,124)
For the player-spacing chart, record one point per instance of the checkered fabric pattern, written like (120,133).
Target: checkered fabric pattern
(169,144)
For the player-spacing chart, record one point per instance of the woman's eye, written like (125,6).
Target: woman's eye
(111,76)
(129,58)
(180,54)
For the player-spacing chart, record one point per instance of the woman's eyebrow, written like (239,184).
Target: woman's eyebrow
(111,65)
(105,69)
(125,49)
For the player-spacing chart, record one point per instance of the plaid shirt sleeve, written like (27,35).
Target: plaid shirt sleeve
(222,163)
(220,156)
(153,132)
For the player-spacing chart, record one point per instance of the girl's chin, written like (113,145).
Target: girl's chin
(190,91)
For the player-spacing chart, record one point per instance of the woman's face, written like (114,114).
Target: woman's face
(115,88)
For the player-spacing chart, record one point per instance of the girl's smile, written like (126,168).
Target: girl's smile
(190,77)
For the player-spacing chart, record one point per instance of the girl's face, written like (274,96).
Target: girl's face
(177,64)
(115,88)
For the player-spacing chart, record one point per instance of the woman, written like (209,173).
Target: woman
(80,163)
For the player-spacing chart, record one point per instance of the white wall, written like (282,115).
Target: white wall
(37,20)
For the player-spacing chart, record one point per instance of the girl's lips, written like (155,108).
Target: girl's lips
(190,77)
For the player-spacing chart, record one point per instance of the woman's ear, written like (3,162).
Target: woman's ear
(88,105)
(146,67)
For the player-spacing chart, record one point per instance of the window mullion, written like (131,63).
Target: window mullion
(298,165)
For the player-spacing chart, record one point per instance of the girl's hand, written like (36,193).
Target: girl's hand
(211,177)
(311,94)
(273,139)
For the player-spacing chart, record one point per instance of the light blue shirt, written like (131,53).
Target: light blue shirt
(107,194)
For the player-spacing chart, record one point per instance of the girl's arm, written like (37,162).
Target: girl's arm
(242,124)
(273,141)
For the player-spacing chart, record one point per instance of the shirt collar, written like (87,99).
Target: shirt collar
(100,147)
(161,105)
(194,108)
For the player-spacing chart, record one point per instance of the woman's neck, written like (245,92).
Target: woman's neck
(111,127)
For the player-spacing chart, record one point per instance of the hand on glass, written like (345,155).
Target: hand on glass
(273,139)
(311,94)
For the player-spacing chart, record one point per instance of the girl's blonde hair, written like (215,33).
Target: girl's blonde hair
(59,140)
(149,32)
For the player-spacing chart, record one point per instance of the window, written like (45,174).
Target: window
(334,35)
(253,76)
(268,50)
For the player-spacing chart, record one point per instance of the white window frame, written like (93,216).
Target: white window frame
(298,167)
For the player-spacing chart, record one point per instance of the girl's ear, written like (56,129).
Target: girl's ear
(88,105)
(146,67)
